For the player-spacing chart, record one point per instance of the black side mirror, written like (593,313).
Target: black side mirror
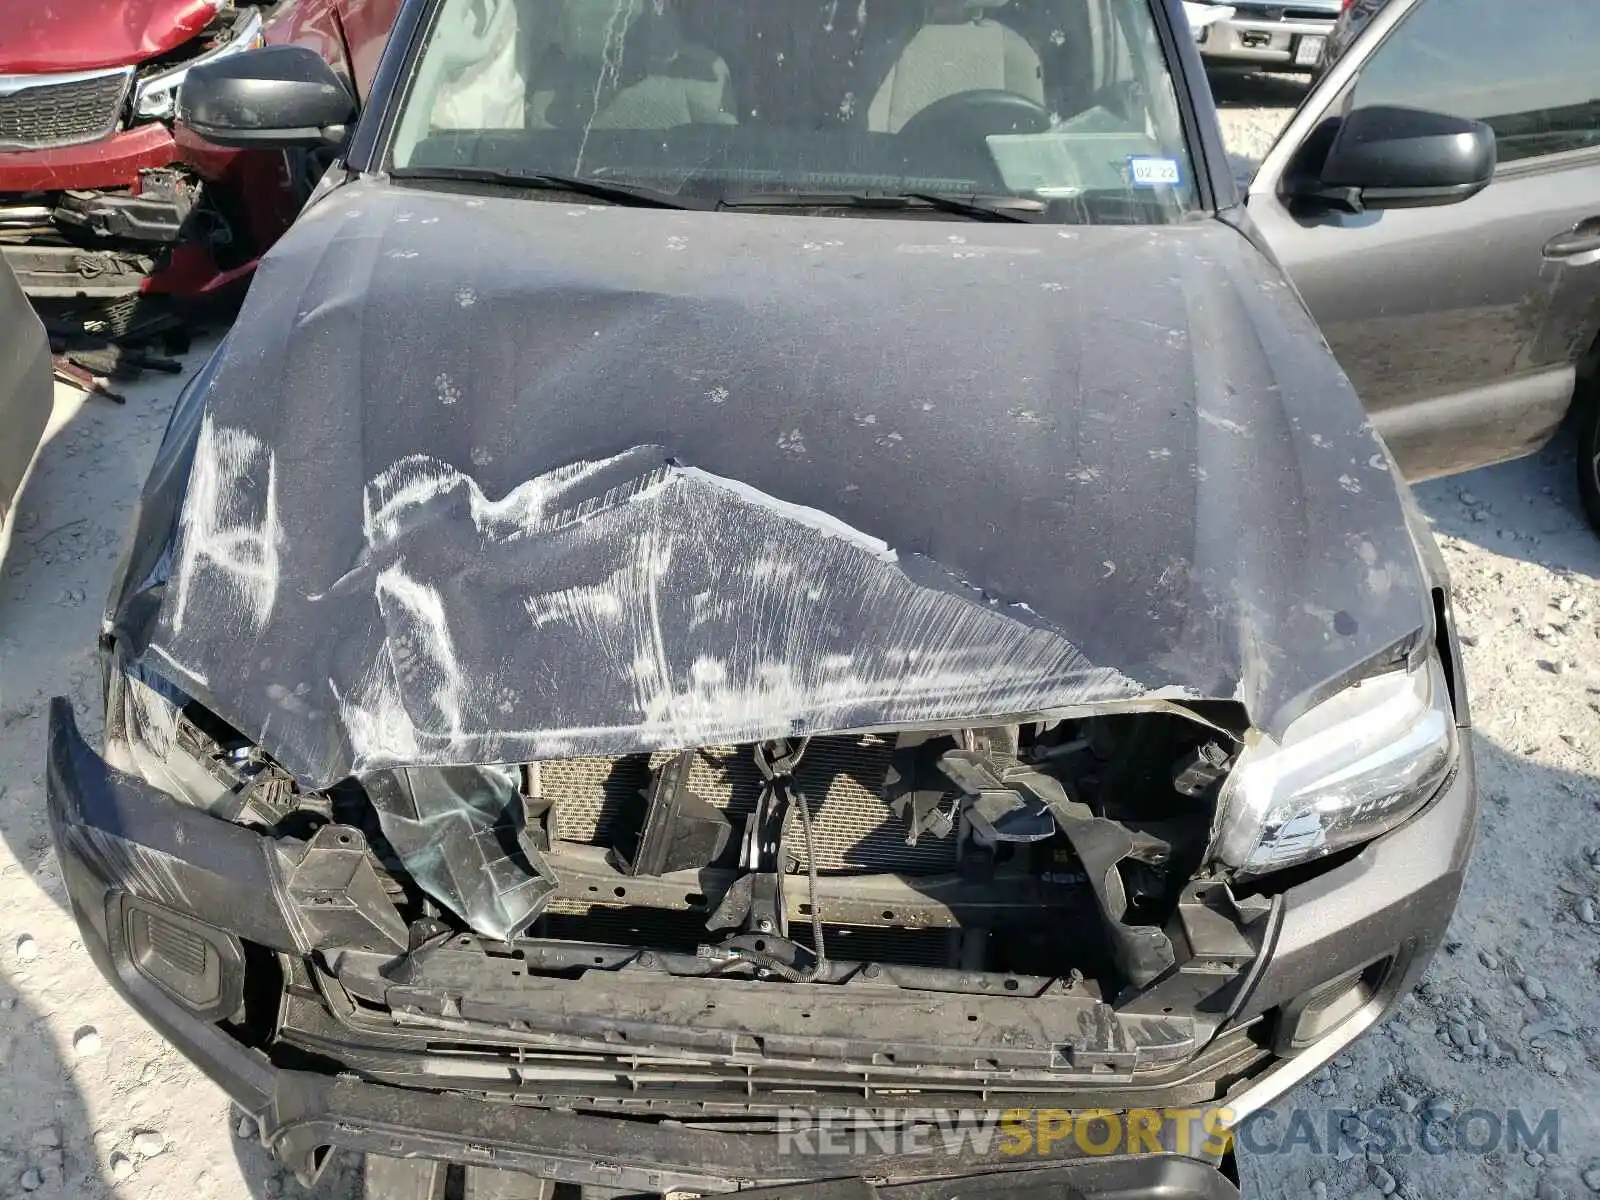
(1383,157)
(278,97)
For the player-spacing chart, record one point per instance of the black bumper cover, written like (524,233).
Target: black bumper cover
(116,835)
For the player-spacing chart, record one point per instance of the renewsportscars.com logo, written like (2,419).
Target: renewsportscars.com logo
(1047,1132)
(1204,1132)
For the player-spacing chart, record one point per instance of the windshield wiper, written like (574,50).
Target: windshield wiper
(977,207)
(984,208)
(627,194)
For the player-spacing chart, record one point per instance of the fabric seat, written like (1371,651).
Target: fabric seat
(956,50)
(625,66)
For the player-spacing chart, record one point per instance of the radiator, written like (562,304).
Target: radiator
(596,800)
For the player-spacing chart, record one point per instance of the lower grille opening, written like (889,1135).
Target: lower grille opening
(745,1077)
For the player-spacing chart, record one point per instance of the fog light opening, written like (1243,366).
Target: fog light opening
(200,967)
(1329,1005)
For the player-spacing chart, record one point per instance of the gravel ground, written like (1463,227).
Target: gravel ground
(95,1104)
(1253,108)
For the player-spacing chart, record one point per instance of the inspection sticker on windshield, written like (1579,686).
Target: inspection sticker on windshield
(1154,172)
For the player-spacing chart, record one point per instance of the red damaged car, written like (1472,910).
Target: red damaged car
(100,197)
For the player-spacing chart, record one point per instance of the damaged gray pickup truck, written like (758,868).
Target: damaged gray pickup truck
(758,570)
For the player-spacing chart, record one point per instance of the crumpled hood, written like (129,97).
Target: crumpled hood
(47,36)
(495,479)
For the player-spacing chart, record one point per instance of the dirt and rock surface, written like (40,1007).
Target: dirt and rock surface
(93,1103)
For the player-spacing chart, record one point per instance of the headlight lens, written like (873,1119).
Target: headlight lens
(1350,769)
(155,98)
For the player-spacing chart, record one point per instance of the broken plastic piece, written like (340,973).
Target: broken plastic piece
(1008,816)
(682,832)
(1196,772)
(1008,801)
(924,812)
(1011,801)
(265,799)
(457,831)
(339,896)
(1142,952)
(915,788)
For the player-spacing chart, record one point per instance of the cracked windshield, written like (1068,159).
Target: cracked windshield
(1024,110)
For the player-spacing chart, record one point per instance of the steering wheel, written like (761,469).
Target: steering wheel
(969,117)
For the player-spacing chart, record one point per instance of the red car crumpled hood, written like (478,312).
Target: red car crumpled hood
(80,35)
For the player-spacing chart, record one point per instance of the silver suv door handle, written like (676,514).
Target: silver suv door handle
(1582,239)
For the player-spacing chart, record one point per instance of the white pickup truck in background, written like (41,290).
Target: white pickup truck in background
(1261,34)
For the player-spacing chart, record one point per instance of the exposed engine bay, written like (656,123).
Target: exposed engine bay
(1044,849)
(1010,910)
(1009,823)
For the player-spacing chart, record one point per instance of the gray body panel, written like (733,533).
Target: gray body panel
(26,390)
(1458,326)
(1461,337)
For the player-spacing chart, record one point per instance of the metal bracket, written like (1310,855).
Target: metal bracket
(755,900)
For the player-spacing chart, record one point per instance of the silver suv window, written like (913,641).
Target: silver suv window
(1522,68)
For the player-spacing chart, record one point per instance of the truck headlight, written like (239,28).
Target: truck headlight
(155,96)
(1355,766)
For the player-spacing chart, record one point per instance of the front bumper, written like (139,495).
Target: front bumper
(1376,919)
(113,165)
(112,162)
(114,218)
(1246,39)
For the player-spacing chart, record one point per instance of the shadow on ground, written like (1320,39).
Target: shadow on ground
(1257,89)
(1527,509)
(51,1149)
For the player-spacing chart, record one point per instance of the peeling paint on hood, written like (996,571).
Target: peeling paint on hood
(485,480)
